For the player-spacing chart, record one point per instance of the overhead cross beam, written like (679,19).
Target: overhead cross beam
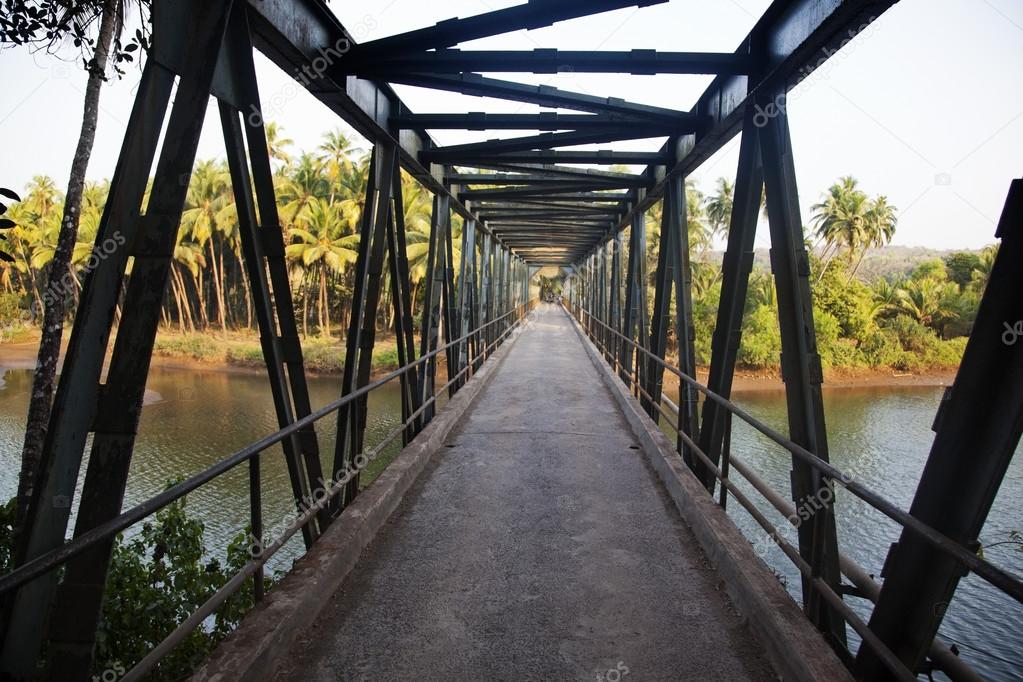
(547,120)
(543,95)
(553,170)
(530,15)
(547,141)
(603,157)
(519,179)
(639,62)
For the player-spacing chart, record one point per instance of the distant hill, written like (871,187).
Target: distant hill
(890,262)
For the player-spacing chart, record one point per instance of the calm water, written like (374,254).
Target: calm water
(879,436)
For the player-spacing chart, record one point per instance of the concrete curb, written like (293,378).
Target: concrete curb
(267,632)
(794,647)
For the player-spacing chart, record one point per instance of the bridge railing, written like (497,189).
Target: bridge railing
(495,331)
(601,334)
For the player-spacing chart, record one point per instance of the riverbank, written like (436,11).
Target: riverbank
(230,352)
(241,352)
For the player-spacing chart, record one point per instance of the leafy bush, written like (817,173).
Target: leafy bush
(194,346)
(761,339)
(10,307)
(913,336)
(156,580)
(882,348)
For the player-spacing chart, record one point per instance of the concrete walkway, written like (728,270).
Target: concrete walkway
(537,545)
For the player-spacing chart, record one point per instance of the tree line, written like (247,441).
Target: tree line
(904,322)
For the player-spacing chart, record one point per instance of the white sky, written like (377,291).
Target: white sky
(925,106)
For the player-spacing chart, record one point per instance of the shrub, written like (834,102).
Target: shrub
(10,308)
(914,337)
(761,339)
(881,348)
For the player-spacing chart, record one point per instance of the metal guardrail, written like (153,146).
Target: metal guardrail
(55,558)
(940,654)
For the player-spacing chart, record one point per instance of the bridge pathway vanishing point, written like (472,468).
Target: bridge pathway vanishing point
(539,544)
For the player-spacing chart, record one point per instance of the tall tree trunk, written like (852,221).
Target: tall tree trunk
(324,313)
(218,291)
(305,308)
(200,292)
(53,315)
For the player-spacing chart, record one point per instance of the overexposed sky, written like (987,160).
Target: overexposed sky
(925,105)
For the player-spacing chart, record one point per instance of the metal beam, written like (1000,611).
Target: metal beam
(602,157)
(543,95)
(638,62)
(530,15)
(547,120)
(736,267)
(466,179)
(790,41)
(295,34)
(801,370)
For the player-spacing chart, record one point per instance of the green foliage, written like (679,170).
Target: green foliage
(960,267)
(850,302)
(7,512)
(157,579)
(10,307)
(761,338)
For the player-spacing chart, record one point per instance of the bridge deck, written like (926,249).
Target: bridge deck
(537,545)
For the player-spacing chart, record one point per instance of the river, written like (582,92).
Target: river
(880,436)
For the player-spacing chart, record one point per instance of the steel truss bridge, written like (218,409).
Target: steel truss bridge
(526,202)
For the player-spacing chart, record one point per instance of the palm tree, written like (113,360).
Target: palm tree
(701,235)
(878,229)
(276,144)
(841,219)
(982,272)
(719,206)
(321,248)
(885,297)
(303,183)
(927,300)
(337,151)
(210,207)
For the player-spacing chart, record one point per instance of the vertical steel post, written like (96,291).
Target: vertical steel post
(465,290)
(448,314)
(615,317)
(801,367)
(401,295)
(435,273)
(978,429)
(673,270)
(486,293)
(351,418)
(735,272)
(634,314)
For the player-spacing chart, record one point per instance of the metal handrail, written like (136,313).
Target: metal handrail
(1002,580)
(106,531)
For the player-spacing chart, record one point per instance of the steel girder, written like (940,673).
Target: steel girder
(530,15)
(639,62)
(736,267)
(801,370)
